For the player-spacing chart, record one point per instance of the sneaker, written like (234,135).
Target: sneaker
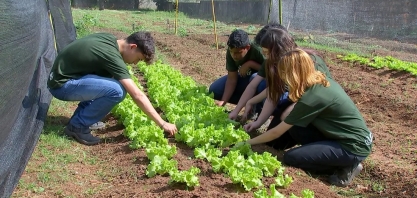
(97,126)
(345,176)
(83,136)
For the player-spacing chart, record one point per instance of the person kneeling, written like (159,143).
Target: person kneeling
(243,61)
(323,119)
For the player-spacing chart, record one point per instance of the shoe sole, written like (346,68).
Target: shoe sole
(75,136)
(97,128)
(102,126)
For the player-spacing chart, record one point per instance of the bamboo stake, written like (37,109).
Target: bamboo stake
(176,17)
(214,22)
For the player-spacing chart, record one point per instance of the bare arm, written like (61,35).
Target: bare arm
(267,111)
(253,65)
(270,135)
(143,103)
(229,87)
(258,98)
(248,93)
(247,66)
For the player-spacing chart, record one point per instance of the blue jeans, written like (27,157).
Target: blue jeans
(218,86)
(97,96)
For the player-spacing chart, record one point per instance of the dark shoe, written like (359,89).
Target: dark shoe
(345,176)
(97,126)
(83,136)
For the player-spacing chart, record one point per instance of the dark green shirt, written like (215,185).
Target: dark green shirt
(96,54)
(318,64)
(254,54)
(332,111)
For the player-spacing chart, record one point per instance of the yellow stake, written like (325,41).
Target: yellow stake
(214,22)
(176,17)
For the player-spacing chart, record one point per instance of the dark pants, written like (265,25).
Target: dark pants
(316,154)
(218,87)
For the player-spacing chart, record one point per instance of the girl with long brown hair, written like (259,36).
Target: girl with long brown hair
(323,119)
(274,43)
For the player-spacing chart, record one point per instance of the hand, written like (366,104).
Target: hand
(169,128)
(251,126)
(233,115)
(243,70)
(248,110)
(220,103)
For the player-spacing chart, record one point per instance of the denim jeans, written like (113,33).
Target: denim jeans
(316,154)
(97,96)
(218,86)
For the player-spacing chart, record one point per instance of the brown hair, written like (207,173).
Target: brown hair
(145,43)
(296,69)
(278,41)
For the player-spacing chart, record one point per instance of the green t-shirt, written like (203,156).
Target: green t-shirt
(254,54)
(96,54)
(332,111)
(318,64)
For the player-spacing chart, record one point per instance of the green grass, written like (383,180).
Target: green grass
(325,43)
(383,62)
(129,21)
(49,169)
(50,165)
(86,21)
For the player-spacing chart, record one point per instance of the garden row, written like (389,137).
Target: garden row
(379,62)
(204,127)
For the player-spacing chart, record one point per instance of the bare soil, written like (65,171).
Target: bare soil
(387,100)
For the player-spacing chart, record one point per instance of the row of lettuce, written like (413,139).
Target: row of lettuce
(202,126)
(379,62)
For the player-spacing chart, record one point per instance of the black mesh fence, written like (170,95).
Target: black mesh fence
(383,19)
(27,51)
(107,4)
(362,26)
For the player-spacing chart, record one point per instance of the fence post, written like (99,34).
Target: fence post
(280,11)
(269,11)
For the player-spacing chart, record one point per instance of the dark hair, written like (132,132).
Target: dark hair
(262,32)
(238,39)
(278,42)
(145,43)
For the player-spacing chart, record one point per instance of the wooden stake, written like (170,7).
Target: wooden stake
(176,17)
(214,22)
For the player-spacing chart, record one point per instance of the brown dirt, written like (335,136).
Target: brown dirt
(386,99)
(131,180)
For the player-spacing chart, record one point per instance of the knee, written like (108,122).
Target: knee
(261,86)
(290,159)
(217,90)
(212,88)
(118,93)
